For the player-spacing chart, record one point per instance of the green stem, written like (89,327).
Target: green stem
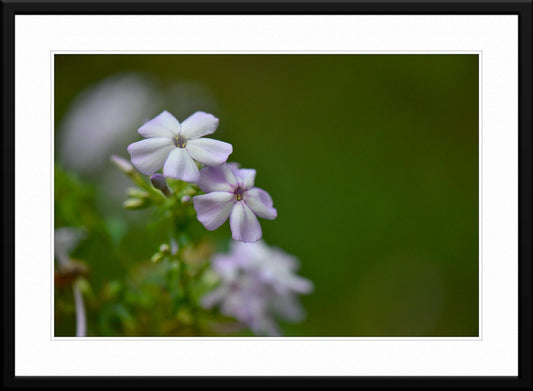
(185,278)
(185,282)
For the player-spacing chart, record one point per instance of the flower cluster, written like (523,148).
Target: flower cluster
(179,149)
(184,177)
(258,284)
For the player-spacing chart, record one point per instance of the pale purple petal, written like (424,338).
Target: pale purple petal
(164,125)
(199,124)
(299,284)
(219,178)
(246,177)
(225,267)
(214,208)
(234,166)
(149,155)
(288,308)
(208,151)
(180,165)
(285,282)
(244,225)
(260,202)
(269,327)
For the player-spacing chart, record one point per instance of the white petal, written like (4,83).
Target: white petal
(214,208)
(244,225)
(208,151)
(199,124)
(246,177)
(164,125)
(219,178)
(180,165)
(260,202)
(149,155)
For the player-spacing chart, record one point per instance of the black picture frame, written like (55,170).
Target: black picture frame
(521,8)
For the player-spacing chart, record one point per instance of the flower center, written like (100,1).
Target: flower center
(239,192)
(180,141)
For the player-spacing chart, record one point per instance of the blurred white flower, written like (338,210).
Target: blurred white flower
(65,240)
(258,284)
(100,121)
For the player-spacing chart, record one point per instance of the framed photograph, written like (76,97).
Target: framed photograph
(229,194)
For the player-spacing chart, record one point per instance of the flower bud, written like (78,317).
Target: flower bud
(157,257)
(135,192)
(134,203)
(160,183)
(164,248)
(186,199)
(173,246)
(122,164)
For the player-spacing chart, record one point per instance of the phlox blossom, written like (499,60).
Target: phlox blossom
(176,147)
(231,193)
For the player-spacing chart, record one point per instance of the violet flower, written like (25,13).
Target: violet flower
(231,193)
(258,285)
(173,146)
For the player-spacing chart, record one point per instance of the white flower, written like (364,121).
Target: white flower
(173,146)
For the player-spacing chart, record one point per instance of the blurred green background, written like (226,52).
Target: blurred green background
(371,160)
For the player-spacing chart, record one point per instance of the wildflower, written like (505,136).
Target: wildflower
(173,146)
(258,284)
(231,193)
